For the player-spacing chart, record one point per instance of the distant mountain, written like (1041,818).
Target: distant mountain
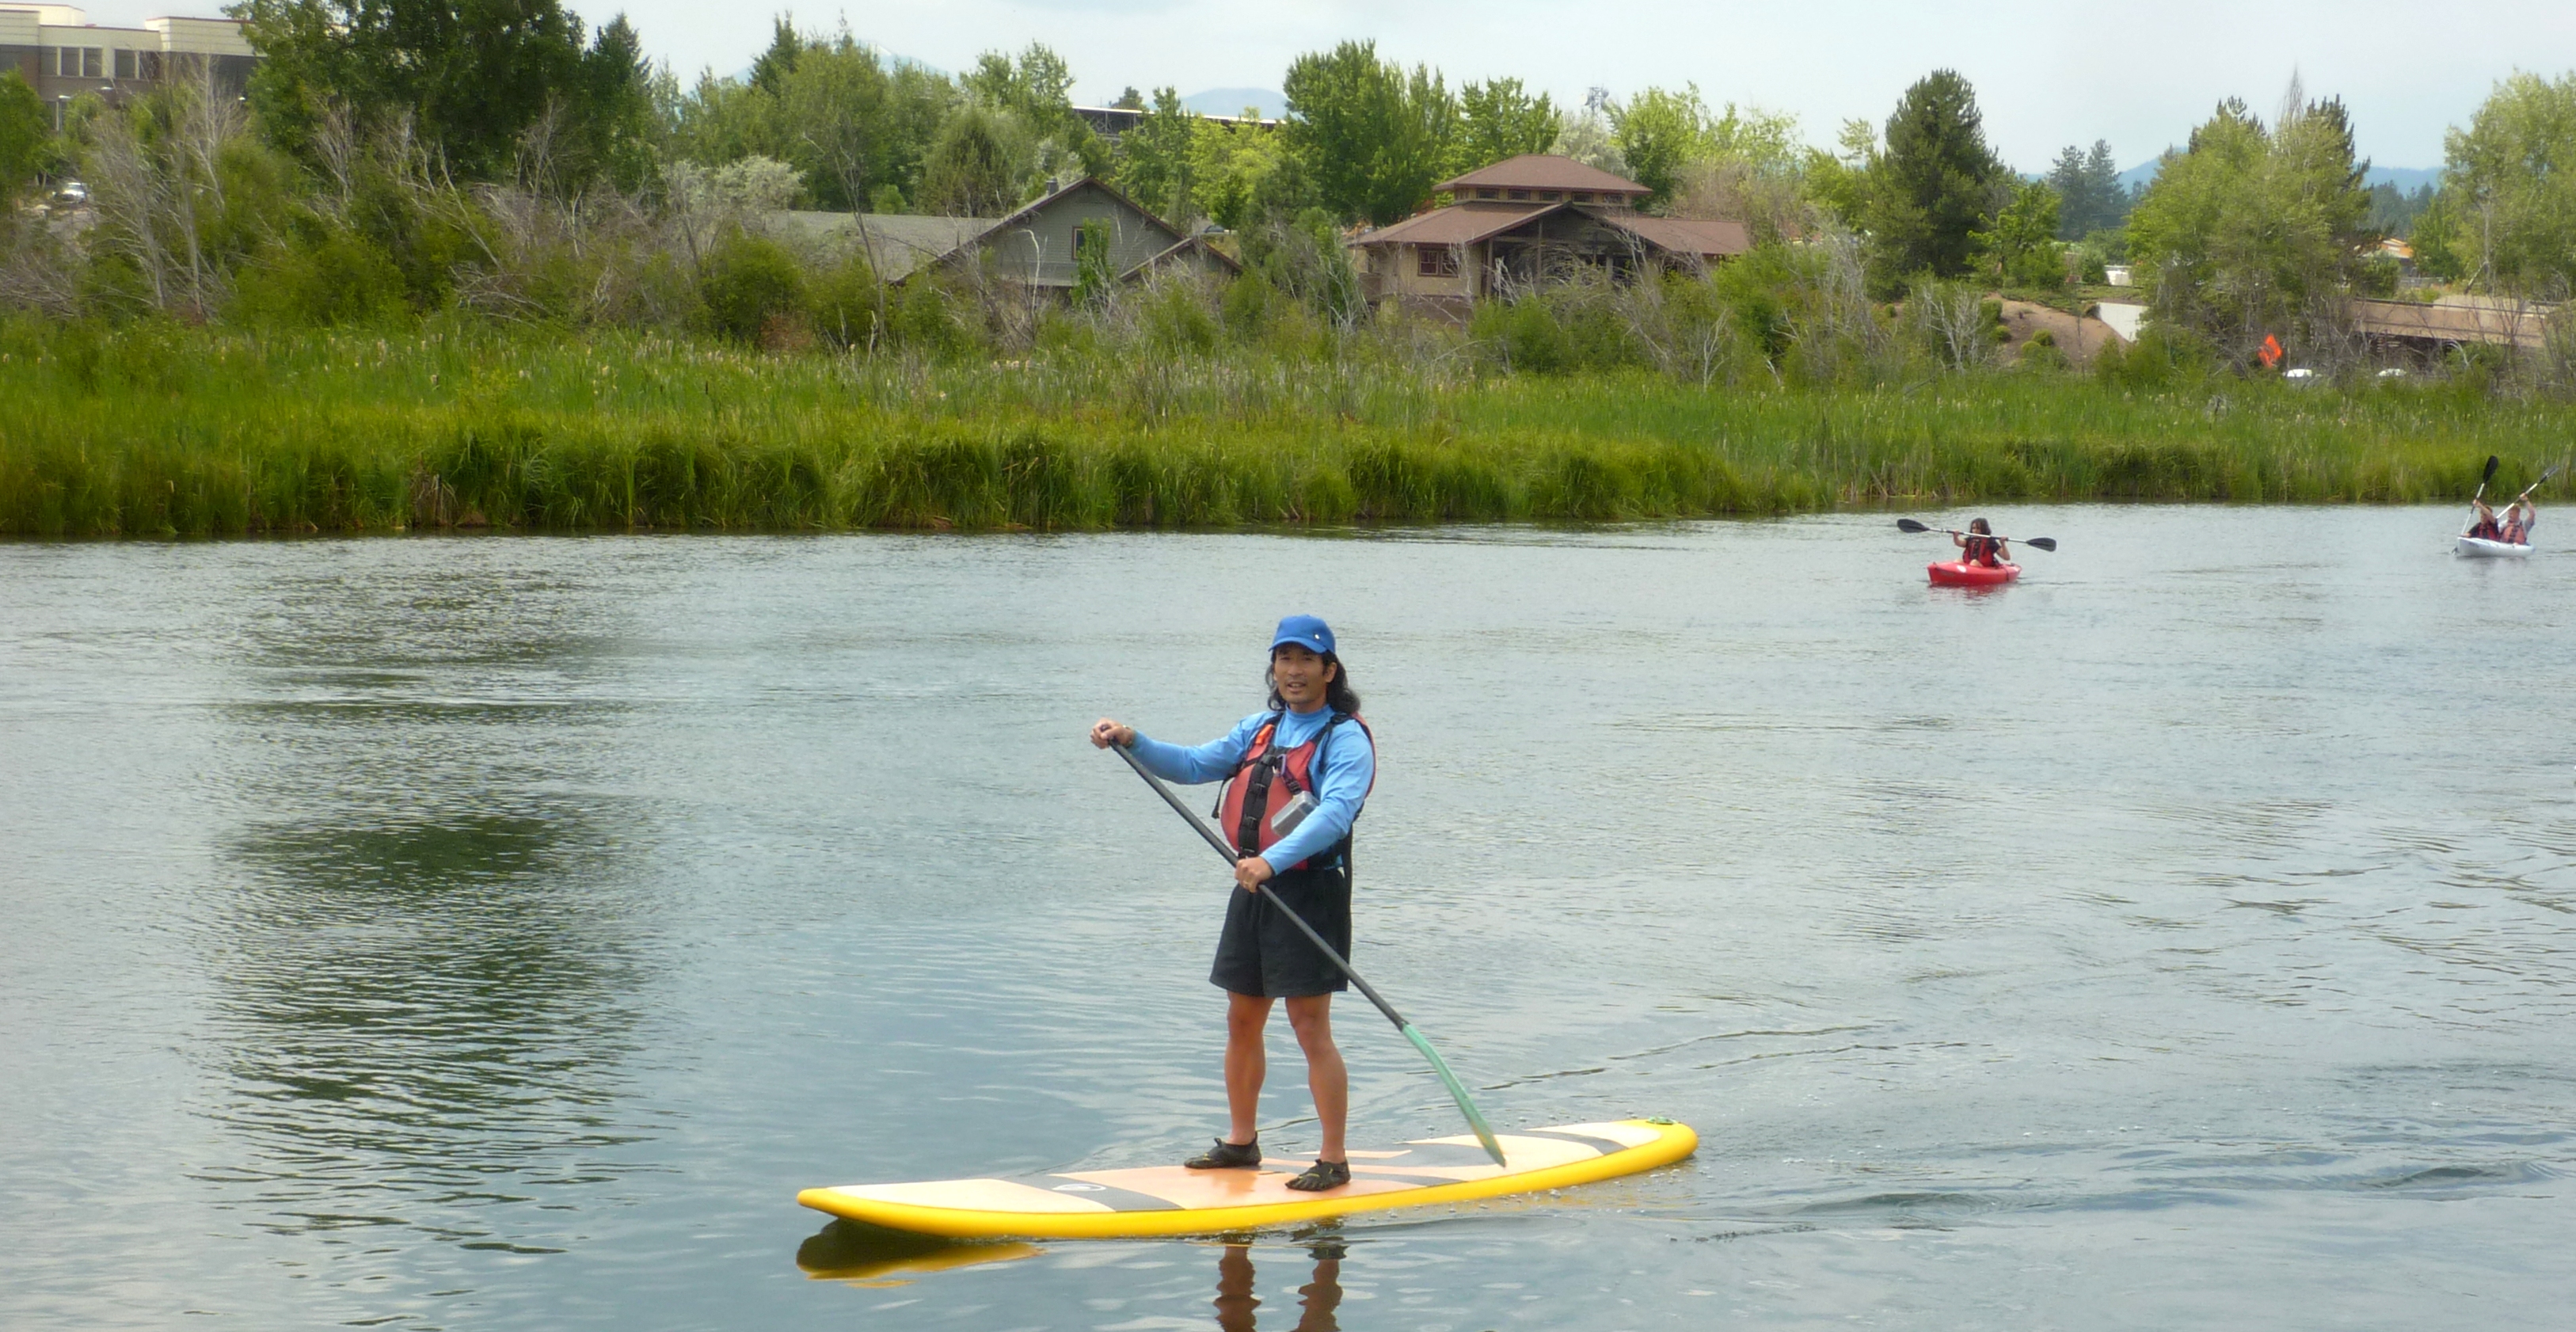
(2404,178)
(1231,101)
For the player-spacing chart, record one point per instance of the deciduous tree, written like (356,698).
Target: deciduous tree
(1371,138)
(2250,229)
(2506,214)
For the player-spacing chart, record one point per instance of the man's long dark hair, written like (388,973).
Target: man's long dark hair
(1338,694)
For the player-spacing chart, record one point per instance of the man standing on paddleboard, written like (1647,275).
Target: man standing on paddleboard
(1297,774)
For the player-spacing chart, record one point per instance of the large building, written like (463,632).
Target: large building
(1524,222)
(64,55)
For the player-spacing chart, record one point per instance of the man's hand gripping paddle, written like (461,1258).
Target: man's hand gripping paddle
(1475,1119)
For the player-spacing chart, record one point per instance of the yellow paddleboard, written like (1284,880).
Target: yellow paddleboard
(1170,1200)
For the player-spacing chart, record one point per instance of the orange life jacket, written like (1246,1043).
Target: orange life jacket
(1270,783)
(1981,550)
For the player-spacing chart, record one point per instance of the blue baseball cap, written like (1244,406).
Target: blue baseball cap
(1305,631)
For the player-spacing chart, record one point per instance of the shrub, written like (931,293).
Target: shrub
(747,282)
(845,301)
(320,274)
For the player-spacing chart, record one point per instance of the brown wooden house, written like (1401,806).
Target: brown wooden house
(1524,222)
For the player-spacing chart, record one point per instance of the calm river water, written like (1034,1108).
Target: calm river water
(497,932)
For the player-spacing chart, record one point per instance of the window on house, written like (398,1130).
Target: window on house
(1520,194)
(1436,260)
(1551,196)
(93,65)
(1583,196)
(125,64)
(1489,194)
(67,61)
(150,64)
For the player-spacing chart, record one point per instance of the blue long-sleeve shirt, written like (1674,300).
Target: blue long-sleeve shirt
(1344,766)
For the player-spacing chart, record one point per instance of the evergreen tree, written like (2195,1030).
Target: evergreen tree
(1936,182)
(2088,184)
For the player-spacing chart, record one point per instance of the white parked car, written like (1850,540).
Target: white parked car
(73,194)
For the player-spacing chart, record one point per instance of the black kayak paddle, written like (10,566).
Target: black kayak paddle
(1457,1090)
(2035,543)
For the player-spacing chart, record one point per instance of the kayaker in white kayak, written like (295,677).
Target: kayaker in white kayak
(2516,522)
(2486,527)
(1981,546)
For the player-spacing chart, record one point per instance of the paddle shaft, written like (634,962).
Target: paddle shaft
(2035,543)
(1457,1090)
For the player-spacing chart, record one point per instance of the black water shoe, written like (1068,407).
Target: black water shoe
(1321,1176)
(1228,1156)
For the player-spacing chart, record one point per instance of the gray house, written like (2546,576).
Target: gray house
(1035,246)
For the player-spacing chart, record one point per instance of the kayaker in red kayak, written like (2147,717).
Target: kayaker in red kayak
(1982,546)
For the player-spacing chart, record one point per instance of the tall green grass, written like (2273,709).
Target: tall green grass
(159,431)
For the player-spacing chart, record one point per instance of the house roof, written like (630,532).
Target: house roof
(2492,322)
(1040,204)
(1458,224)
(1185,245)
(895,243)
(1705,238)
(1542,171)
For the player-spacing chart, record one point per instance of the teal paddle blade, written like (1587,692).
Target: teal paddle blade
(1475,1117)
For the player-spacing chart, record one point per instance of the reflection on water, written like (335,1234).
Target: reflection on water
(1318,1301)
(426,969)
(871,1258)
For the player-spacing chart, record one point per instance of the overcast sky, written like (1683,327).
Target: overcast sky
(2047,73)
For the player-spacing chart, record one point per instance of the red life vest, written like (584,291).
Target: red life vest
(1981,550)
(1269,781)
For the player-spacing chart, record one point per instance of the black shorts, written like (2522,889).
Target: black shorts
(1263,954)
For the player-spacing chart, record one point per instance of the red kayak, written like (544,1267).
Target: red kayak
(1953,573)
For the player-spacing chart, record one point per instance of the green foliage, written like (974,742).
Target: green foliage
(1499,119)
(1158,159)
(2090,195)
(750,288)
(2020,243)
(2507,212)
(156,428)
(2249,226)
(1662,134)
(1093,279)
(1936,183)
(1304,259)
(1234,170)
(976,164)
(856,127)
(927,321)
(318,273)
(25,133)
(472,77)
(1372,139)
(2161,359)
(845,302)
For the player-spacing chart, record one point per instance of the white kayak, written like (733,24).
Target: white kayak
(2481,548)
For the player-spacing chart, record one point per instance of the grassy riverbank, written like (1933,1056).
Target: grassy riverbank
(161,431)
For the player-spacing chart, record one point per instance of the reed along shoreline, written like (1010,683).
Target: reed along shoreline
(180,432)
